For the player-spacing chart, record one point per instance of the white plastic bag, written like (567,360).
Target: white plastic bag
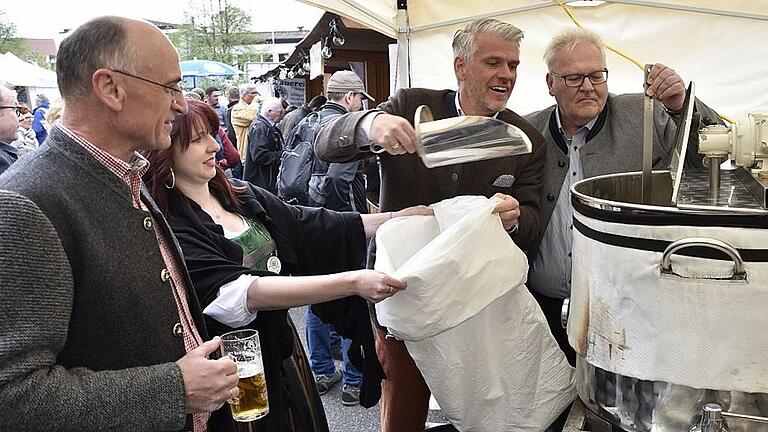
(476,334)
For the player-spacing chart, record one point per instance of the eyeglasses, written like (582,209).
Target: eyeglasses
(14,107)
(175,91)
(576,80)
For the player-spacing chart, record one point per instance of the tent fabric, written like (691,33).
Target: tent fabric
(16,72)
(718,44)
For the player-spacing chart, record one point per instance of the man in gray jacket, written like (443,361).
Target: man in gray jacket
(590,132)
(101,328)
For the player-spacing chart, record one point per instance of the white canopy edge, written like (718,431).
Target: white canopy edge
(721,46)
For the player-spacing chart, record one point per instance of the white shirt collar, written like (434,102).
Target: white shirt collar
(589,125)
(458,106)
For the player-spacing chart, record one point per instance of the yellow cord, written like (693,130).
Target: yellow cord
(618,51)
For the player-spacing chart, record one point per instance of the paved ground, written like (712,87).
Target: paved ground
(343,418)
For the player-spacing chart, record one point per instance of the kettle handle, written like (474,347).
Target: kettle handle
(738,262)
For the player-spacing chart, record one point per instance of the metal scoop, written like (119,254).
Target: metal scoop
(464,139)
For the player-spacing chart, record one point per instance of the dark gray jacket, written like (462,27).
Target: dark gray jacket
(614,145)
(265,148)
(87,340)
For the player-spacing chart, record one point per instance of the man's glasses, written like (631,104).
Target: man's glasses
(17,108)
(576,80)
(174,89)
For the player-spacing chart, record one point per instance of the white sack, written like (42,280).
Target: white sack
(475,333)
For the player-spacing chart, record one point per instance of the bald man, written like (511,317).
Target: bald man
(265,146)
(101,329)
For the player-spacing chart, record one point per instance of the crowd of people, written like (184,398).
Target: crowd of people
(157,226)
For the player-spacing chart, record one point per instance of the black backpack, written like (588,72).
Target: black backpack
(298,162)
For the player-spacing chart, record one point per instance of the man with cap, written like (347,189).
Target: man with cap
(340,188)
(486,56)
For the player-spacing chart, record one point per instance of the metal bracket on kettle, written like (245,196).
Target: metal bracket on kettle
(712,419)
(739,274)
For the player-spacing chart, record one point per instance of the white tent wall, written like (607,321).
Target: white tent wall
(726,56)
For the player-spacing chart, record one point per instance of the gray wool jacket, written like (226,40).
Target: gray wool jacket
(614,145)
(87,340)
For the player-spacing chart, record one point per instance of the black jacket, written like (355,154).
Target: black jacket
(265,148)
(310,241)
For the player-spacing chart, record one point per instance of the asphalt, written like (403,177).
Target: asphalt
(344,418)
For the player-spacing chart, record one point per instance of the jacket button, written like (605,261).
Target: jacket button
(165,275)
(561,163)
(344,139)
(550,196)
(148,223)
(178,330)
(455,176)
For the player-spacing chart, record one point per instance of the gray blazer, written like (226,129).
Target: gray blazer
(614,145)
(87,340)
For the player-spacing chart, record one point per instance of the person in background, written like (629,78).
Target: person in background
(240,243)
(265,147)
(243,114)
(212,96)
(293,118)
(233,96)
(486,56)
(9,111)
(39,123)
(26,140)
(101,327)
(339,187)
(54,113)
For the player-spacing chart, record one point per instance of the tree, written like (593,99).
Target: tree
(216,30)
(8,40)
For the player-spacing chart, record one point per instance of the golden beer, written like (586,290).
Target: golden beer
(252,402)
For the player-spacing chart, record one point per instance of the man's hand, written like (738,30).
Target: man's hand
(208,383)
(508,210)
(394,134)
(666,86)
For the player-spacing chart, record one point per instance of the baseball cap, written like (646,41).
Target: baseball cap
(345,81)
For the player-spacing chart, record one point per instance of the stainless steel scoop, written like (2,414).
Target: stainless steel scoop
(464,139)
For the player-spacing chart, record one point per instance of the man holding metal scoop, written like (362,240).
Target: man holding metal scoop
(486,56)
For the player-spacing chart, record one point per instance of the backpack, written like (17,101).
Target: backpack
(298,162)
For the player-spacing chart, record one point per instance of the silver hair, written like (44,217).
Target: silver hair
(245,88)
(568,40)
(99,43)
(270,103)
(465,43)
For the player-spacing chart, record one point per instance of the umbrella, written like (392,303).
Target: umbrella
(205,68)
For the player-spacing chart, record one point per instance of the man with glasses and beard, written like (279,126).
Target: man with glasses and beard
(9,122)
(486,56)
(590,132)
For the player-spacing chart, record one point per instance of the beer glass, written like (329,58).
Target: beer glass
(242,346)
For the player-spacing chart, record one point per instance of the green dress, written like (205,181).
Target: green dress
(304,410)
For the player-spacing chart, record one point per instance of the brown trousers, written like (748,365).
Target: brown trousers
(404,394)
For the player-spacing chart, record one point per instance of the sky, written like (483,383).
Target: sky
(47,18)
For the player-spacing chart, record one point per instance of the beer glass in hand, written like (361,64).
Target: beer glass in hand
(242,346)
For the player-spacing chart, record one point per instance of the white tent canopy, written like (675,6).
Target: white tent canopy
(719,44)
(16,72)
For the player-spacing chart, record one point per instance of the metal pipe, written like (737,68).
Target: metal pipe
(714,176)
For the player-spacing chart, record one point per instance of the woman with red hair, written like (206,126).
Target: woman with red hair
(251,257)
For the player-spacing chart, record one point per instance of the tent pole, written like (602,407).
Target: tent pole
(403,45)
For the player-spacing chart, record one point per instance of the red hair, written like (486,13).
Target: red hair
(161,161)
